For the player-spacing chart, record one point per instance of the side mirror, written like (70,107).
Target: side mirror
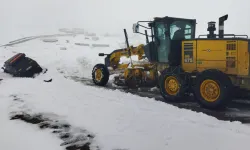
(101,54)
(135,28)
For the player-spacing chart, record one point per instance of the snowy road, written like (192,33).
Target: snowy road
(238,110)
(118,120)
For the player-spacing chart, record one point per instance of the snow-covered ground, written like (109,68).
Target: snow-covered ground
(118,120)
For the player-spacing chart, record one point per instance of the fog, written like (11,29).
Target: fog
(20,18)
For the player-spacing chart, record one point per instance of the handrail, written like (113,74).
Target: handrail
(235,36)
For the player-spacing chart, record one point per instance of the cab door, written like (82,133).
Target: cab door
(162,42)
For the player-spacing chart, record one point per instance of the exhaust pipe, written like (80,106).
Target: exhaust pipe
(221,25)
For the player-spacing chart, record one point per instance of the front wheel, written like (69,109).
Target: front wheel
(100,75)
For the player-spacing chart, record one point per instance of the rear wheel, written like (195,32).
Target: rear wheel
(100,75)
(213,89)
(210,90)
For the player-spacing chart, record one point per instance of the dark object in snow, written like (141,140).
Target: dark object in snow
(21,66)
(50,80)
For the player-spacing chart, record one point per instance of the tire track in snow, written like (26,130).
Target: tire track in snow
(73,138)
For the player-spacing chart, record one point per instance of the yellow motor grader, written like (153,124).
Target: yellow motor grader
(210,66)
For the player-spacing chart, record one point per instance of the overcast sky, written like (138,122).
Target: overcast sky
(28,17)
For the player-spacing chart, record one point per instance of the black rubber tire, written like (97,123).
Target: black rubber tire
(182,85)
(225,86)
(105,73)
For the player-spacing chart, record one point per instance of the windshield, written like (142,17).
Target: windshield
(180,30)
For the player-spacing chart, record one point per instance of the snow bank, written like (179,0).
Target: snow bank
(50,40)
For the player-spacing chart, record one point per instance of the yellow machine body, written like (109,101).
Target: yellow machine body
(226,55)
(115,57)
(128,71)
(215,68)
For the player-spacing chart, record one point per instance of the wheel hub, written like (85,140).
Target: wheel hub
(171,85)
(98,74)
(210,90)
